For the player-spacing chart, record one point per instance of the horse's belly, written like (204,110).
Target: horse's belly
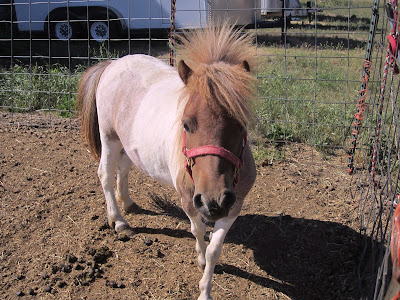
(151,164)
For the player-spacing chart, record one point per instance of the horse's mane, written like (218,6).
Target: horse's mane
(216,55)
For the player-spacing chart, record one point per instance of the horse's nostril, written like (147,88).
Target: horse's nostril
(228,199)
(198,203)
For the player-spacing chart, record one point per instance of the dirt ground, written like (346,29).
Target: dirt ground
(296,238)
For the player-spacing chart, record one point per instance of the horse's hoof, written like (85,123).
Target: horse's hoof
(133,208)
(125,234)
(119,227)
(125,230)
(201,297)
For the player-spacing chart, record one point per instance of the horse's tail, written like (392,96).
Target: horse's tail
(86,105)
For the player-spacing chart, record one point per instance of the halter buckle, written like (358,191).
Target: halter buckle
(189,162)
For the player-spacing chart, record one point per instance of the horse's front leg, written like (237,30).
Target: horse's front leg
(213,253)
(198,229)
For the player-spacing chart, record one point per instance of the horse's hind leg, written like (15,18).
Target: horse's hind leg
(122,191)
(110,152)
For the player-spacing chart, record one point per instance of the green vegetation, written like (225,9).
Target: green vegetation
(39,87)
(308,85)
(308,96)
(27,88)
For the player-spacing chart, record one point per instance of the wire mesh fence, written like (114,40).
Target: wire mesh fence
(376,179)
(310,62)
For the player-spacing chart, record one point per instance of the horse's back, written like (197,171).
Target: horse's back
(151,70)
(133,73)
(137,101)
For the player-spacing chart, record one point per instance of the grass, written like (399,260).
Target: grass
(44,87)
(38,87)
(308,95)
(308,85)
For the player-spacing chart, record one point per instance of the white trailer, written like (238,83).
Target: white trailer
(102,18)
(284,8)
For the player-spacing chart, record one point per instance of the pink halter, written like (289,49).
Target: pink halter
(214,150)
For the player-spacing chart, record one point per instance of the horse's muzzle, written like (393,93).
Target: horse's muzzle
(214,209)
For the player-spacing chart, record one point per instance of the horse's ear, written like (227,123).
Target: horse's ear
(184,71)
(245,65)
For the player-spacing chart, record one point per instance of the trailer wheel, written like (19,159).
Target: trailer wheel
(99,31)
(63,31)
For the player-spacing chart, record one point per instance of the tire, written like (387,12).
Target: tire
(99,31)
(62,31)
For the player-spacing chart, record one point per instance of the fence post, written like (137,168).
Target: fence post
(363,90)
(171,34)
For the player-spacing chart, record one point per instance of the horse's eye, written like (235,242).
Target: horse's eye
(186,127)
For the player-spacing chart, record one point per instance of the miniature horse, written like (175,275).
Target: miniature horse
(186,128)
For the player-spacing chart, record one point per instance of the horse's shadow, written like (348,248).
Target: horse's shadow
(304,259)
